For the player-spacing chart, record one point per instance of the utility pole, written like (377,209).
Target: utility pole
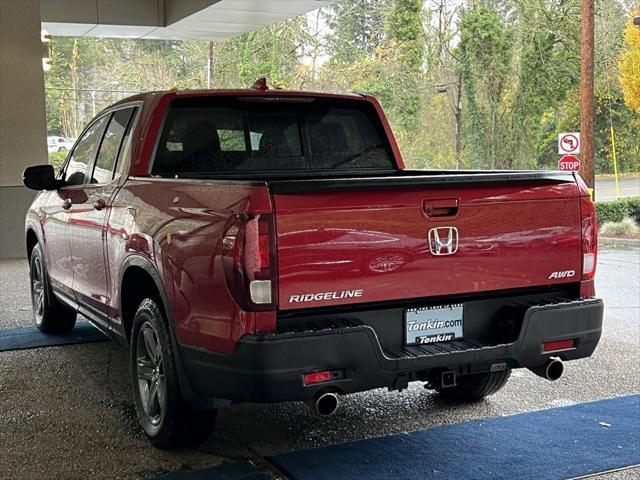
(586,96)
(210,65)
(458,117)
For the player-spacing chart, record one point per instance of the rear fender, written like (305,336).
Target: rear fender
(188,393)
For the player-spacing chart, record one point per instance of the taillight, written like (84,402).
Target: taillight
(589,238)
(247,255)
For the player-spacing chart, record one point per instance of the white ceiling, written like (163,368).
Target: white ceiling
(145,19)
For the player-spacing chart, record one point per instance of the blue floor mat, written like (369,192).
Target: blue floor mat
(21,338)
(554,444)
(230,471)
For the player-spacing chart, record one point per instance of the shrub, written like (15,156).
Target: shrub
(57,159)
(618,210)
(626,228)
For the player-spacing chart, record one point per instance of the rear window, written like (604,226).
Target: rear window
(216,135)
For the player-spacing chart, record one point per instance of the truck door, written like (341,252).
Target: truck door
(58,213)
(88,216)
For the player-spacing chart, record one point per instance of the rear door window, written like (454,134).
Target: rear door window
(112,146)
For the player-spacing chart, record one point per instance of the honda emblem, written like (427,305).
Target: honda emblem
(443,241)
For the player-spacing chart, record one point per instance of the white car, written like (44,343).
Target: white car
(59,144)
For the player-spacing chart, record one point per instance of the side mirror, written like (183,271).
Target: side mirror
(40,177)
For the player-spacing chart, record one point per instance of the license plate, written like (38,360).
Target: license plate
(433,324)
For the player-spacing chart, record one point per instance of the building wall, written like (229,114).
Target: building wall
(22,116)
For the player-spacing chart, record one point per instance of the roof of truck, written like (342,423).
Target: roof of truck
(247,92)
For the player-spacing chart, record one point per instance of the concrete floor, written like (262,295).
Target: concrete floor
(66,412)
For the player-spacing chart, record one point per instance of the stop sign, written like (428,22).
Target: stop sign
(569,163)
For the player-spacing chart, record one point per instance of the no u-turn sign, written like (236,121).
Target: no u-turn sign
(569,143)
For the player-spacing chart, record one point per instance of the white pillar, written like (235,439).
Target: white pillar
(22,116)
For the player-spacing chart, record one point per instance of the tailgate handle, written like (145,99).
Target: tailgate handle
(442,207)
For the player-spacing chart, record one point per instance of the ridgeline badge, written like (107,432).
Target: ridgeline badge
(316,297)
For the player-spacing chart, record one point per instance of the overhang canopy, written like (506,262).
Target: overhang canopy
(168,19)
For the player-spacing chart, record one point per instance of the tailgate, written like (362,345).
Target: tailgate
(375,245)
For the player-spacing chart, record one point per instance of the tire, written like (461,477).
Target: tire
(49,314)
(166,419)
(474,387)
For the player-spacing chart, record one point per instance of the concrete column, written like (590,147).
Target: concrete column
(22,116)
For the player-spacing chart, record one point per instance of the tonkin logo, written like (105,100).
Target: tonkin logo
(443,240)
(563,274)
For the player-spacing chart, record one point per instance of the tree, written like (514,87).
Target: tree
(272,52)
(547,71)
(630,63)
(507,69)
(403,27)
(357,29)
(486,58)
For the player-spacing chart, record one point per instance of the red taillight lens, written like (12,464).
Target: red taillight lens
(264,245)
(247,258)
(317,377)
(558,345)
(589,238)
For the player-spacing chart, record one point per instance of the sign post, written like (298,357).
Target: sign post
(587,110)
(569,145)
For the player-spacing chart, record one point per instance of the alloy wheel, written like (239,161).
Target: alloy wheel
(150,372)
(37,290)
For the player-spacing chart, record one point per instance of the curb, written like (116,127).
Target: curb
(626,242)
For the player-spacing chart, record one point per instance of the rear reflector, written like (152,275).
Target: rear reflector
(558,345)
(260,291)
(317,377)
(588,263)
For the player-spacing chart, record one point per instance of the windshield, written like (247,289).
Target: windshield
(226,135)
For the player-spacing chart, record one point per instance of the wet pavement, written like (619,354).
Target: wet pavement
(627,187)
(66,412)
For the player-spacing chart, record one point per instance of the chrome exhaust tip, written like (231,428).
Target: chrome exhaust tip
(325,404)
(552,370)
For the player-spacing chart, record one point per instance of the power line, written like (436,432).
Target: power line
(89,90)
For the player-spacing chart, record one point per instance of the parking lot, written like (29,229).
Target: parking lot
(67,412)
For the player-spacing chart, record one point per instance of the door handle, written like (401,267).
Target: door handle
(66,204)
(99,204)
(441,207)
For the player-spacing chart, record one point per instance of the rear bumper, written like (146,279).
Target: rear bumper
(269,368)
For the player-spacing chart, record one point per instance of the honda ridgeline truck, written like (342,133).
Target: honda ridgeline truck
(265,246)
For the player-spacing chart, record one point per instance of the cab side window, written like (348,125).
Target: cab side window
(83,154)
(113,146)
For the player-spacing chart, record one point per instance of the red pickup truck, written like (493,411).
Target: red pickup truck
(266,245)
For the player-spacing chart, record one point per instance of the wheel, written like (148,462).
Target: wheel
(164,416)
(49,314)
(476,386)
(62,149)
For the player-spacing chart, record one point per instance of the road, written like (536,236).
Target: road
(606,189)
(66,412)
